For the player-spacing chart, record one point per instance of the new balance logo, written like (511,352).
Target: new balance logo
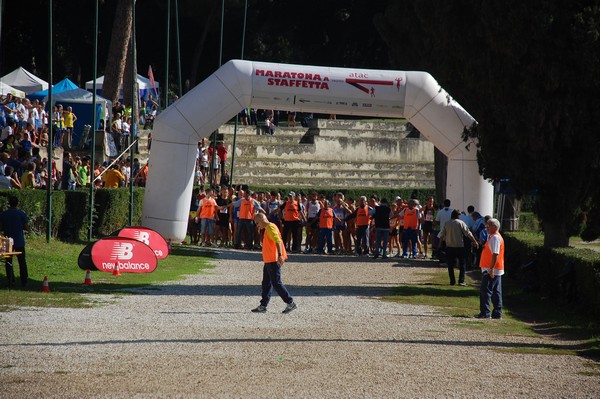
(122,251)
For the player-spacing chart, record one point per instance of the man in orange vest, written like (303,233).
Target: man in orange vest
(274,256)
(292,213)
(248,207)
(325,217)
(206,212)
(492,268)
(410,233)
(362,214)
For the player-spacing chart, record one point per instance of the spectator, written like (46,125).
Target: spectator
(113,178)
(291,222)
(222,153)
(57,125)
(8,180)
(427,218)
(69,173)
(410,233)
(291,118)
(69,119)
(206,212)
(248,207)
(492,268)
(14,223)
(325,217)
(382,215)
(28,179)
(452,234)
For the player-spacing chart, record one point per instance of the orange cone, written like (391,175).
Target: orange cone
(45,286)
(116,271)
(88,278)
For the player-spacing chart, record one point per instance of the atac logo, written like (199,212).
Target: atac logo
(122,251)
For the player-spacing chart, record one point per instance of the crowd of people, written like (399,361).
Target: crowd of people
(338,226)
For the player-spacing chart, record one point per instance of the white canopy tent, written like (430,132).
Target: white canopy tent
(238,84)
(144,86)
(6,89)
(24,80)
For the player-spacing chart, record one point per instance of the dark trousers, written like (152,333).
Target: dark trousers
(456,258)
(361,240)
(409,235)
(325,235)
(491,289)
(272,280)
(292,226)
(10,274)
(248,225)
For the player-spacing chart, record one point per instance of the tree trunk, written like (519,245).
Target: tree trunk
(441,175)
(127,81)
(555,234)
(117,52)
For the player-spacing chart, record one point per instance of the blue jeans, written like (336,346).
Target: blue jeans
(381,235)
(272,280)
(409,235)
(325,235)
(491,289)
(248,225)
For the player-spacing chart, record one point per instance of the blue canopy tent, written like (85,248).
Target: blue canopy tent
(81,102)
(63,85)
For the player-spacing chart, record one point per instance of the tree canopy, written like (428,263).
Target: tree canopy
(529,73)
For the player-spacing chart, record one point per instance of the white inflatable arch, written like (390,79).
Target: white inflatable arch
(415,96)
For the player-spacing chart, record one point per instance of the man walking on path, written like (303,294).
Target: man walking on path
(453,235)
(274,256)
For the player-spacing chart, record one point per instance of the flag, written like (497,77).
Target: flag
(152,82)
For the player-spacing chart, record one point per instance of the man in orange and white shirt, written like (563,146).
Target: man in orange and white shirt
(207,208)
(492,268)
(274,256)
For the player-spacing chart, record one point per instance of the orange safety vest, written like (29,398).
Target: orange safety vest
(486,255)
(208,208)
(269,247)
(291,211)
(410,219)
(362,216)
(326,219)
(247,209)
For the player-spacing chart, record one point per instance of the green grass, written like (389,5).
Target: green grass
(58,261)
(523,314)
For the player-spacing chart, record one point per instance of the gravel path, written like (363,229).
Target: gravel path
(198,338)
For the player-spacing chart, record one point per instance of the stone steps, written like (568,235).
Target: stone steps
(300,165)
(301,181)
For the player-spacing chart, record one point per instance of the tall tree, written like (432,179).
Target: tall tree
(117,52)
(529,72)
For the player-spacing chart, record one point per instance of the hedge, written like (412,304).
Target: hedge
(70,211)
(566,275)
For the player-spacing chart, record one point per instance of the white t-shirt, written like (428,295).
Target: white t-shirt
(313,209)
(444,215)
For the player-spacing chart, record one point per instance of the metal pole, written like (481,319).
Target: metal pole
(178,47)
(214,140)
(166,85)
(94,123)
(132,127)
(237,116)
(50,135)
